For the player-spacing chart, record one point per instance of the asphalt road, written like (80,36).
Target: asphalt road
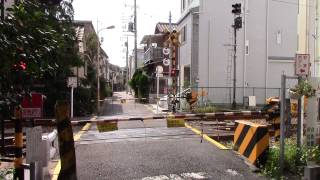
(162,158)
(151,151)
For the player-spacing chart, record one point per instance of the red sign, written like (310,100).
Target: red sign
(31,113)
(32,107)
(302,64)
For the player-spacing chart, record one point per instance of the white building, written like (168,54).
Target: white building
(266,47)
(188,26)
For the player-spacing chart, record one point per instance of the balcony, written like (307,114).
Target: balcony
(153,54)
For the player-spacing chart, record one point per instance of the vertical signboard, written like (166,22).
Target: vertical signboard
(302,65)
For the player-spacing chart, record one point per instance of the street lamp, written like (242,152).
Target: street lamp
(98,65)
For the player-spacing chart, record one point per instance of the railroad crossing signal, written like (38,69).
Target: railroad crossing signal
(174,38)
(236,8)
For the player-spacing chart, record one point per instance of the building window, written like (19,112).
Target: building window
(183,34)
(183,5)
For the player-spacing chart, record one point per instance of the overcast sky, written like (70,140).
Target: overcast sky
(117,12)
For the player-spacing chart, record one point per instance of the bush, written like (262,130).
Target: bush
(294,159)
(205,109)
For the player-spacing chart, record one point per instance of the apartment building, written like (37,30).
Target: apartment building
(188,26)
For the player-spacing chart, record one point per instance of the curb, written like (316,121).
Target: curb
(206,137)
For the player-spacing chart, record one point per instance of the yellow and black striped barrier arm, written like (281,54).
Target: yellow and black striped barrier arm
(66,142)
(252,141)
(18,140)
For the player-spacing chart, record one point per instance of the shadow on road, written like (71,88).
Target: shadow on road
(111,109)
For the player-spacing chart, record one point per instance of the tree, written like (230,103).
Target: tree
(140,84)
(45,36)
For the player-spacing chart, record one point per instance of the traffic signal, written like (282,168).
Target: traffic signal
(20,64)
(238,22)
(236,8)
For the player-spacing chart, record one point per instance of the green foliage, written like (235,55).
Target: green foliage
(6,173)
(304,88)
(294,159)
(45,35)
(105,90)
(84,101)
(140,84)
(205,109)
(186,84)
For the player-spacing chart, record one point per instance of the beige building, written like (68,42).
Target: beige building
(309,32)
(85,33)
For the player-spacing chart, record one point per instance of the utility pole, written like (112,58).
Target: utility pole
(234,103)
(135,36)
(170,56)
(237,25)
(98,69)
(127,68)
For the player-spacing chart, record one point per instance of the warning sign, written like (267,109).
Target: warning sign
(106,126)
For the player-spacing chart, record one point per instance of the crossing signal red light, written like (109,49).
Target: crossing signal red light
(21,64)
(174,72)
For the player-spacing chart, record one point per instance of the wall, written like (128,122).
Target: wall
(266,60)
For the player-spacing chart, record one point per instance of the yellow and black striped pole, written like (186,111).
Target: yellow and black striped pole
(18,137)
(66,142)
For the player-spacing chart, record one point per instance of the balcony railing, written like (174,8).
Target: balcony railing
(153,53)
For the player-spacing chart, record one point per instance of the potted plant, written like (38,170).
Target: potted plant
(304,88)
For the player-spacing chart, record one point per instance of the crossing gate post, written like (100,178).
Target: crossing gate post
(18,137)
(66,142)
(252,141)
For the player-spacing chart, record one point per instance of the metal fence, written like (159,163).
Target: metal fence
(224,95)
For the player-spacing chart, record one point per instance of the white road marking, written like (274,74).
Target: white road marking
(233,172)
(200,175)
(183,176)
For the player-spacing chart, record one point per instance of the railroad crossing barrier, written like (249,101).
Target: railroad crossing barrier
(252,141)
(209,117)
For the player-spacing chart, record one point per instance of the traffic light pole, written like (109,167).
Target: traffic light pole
(234,103)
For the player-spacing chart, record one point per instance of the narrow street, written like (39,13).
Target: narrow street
(150,150)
